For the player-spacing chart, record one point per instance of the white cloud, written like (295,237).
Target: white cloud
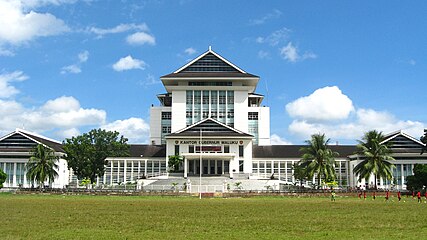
(7,53)
(57,105)
(74,68)
(276,37)
(37,3)
(149,80)
(83,56)
(263,54)
(356,128)
(272,15)
(324,104)
(60,114)
(190,51)
(6,90)
(118,29)
(135,129)
(20,24)
(67,133)
(141,38)
(290,53)
(277,140)
(327,111)
(128,63)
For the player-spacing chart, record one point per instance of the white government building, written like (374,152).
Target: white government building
(210,114)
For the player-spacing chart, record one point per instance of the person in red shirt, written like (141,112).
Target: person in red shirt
(425,194)
(364,195)
(399,196)
(419,196)
(387,195)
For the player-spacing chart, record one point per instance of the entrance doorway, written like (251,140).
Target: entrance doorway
(209,167)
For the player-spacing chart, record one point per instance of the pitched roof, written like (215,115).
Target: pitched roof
(209,64)
(24,141)
(293,151)
(139,150)
(401,142)
(209,128)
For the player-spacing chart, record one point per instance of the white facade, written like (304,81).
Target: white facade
(227,95)
(15,151)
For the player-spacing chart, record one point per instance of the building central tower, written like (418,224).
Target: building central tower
(210,87)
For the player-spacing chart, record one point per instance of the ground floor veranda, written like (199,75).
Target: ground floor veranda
(124,170)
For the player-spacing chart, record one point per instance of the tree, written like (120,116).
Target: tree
(376,156)
(300,172)
(318,159)
(42,165)
(417,181)
(86,153)
(174,162)
(3,177)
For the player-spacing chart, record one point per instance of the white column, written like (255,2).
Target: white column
(14,176)
(145,169)
(118,171)
(131,171)
(125,166)
(230,169)
(185,167)
(111,173)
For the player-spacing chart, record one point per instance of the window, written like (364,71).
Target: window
(205,114)
(252,116)
(241,166)
(166,129)
(205,97)
(166,115)
(189,114)
(230,97)
(209,149)
(189,99)
(191,149)
(226,148)
(240,151)
(176,149)
(197,96)
(230,113)
(222,97)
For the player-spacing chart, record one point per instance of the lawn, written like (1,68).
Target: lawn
(113,217)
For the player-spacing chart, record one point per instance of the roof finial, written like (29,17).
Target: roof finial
(210,48)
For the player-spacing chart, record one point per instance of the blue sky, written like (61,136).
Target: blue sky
(333,67)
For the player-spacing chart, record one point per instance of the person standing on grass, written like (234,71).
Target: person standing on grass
(399,196)
(364,195)
(419,196)
(374,195)
(387,195)
(425,194)
(333,196)
(360,194)
(413,195)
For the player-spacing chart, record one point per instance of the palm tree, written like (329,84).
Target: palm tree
(376,157)
(42,165)
(318,159)
(175,161)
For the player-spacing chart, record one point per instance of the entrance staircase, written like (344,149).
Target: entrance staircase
(212,184)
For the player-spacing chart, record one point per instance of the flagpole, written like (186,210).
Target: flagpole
(200,179)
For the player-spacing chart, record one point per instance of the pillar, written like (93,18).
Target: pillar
(185,167)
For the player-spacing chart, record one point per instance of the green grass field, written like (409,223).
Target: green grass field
(111,217)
